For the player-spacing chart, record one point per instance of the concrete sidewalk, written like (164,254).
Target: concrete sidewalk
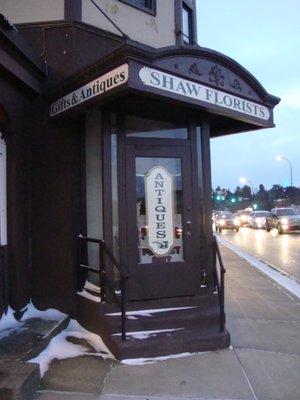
(264,363)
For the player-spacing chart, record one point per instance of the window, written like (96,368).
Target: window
(3,218)
(148,6)
(187,24)
(148,128)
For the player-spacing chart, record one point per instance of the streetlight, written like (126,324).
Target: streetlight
(245,180)
(280,158)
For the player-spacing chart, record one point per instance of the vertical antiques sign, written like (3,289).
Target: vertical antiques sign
(160,210)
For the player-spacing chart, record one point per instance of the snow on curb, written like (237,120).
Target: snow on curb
(283,280)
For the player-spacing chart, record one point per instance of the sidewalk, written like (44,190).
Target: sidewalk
(264,363)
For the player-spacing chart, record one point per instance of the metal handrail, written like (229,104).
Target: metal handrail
(220,283)
(104,280)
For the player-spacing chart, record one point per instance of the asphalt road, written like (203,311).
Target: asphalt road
(280,251)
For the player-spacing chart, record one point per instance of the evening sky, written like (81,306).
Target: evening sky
(264,37)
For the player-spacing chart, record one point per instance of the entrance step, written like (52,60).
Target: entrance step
(152,344)
(165,317)
(182,325)
(157,328)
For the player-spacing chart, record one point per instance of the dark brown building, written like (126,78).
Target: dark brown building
(106,118)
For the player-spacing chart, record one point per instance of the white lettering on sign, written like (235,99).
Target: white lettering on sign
(98,86)
(171,83)
(159,210)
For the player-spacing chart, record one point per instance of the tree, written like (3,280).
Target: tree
(246,192)
(262,198)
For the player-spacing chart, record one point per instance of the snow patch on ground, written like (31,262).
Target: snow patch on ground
(48,315)
(60,348)
(145,361)
(145,334)
(148,313)
(283,280)
(9,324)
(89,296)
(91,286)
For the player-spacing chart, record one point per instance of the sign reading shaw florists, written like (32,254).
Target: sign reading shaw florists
(97,87)
(171,83)
(159,210)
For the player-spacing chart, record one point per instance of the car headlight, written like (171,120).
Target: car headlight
(222,222)
(284,221)
(236,221)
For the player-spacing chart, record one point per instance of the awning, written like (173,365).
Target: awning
(194,77)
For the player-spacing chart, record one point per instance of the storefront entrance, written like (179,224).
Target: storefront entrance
(160,237)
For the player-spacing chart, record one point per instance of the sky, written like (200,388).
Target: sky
(264,37)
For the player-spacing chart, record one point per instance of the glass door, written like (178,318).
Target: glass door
(159,222)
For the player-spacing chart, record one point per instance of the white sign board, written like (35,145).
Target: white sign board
(97,87)
(160,210)
(183,87)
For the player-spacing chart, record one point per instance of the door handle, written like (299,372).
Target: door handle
(189,228)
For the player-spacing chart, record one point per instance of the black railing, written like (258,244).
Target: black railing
(219,280)
(104,282)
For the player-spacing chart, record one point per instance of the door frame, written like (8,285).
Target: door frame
(198,141)
(144,282)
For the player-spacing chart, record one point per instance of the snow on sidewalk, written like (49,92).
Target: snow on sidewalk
(9,324)
(61,348)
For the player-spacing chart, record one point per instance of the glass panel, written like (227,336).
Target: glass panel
(93,170)
(147,128)
(186,24)
(159,209)
(199,157)
(114,195)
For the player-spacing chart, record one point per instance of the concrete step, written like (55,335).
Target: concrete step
(18,380)
(192,340)
(175,325)
(33,337)
(151,319)
(184,301)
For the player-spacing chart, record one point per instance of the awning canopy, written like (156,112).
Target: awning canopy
(194,77)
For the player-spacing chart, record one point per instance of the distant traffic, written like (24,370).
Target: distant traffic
(284,219)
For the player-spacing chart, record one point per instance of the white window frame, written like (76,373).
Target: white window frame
(3,208)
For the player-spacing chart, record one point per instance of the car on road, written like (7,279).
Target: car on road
(284,219)
(258,219)
(243,216)
(215,214)
(226,220)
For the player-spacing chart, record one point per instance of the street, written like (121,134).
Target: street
(280,251)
